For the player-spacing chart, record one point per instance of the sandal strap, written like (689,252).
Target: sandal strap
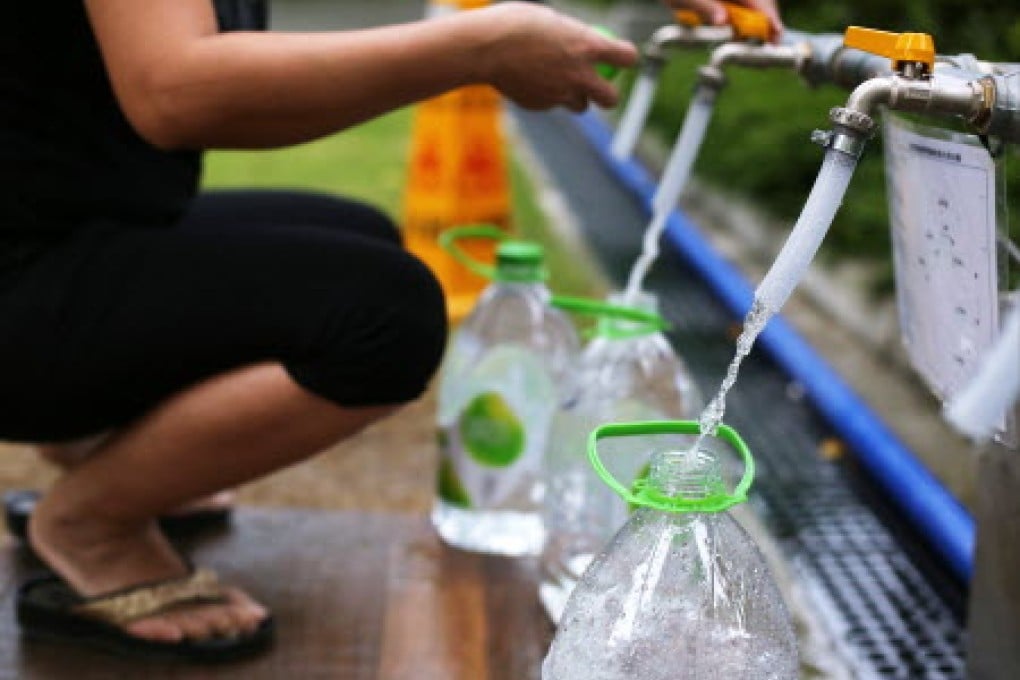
(118,609)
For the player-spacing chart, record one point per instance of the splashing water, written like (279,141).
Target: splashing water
(634,117)
(678,170)
(710,418)
(788,269)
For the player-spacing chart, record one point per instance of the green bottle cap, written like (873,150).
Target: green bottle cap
(607,71)
(520,261)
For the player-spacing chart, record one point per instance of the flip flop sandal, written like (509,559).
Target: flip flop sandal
(48,609)
(19,504)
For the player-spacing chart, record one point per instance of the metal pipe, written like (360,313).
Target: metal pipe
(676,35)
(752,55)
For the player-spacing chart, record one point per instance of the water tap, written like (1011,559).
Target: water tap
(989,103)
(689,31)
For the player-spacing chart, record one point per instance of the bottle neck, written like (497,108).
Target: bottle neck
(622,329)
(531,288)
(691,475)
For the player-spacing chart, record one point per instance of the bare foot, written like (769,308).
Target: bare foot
(69,455)
(95,557)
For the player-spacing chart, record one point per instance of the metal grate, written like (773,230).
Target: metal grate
(891,608)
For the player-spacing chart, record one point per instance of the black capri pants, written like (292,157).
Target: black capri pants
(113,319)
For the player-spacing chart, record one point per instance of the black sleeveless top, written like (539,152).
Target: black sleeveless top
(68,156)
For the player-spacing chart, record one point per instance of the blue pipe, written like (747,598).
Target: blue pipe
(939,517)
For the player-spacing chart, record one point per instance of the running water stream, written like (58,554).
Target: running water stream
(678,170)
(634,116)
(788,269)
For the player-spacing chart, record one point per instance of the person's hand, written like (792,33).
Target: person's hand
(541,59)
(712,11)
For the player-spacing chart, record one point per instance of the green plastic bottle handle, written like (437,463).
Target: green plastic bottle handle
(449,238)
(644,494)
(649,321)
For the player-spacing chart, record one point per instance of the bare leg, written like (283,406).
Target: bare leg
(67,455)
(96,528)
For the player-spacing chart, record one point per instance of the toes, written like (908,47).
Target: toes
(237,615)
(156,630)
(219,620)
(247,610)
(192,623)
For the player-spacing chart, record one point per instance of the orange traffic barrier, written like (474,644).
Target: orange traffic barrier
(458,175)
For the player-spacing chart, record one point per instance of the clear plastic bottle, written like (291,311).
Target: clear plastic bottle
(681,592)
(500,385)
(628,372)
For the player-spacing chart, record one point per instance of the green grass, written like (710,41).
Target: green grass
(369,162)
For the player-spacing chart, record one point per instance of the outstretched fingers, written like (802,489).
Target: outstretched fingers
(608,51)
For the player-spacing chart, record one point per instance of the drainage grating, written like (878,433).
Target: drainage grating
(890,607)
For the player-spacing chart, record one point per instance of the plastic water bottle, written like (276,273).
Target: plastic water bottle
(681,592)
(500,385)
(627,372)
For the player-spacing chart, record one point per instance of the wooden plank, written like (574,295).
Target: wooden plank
(522,637)
(356,597)
(435,615)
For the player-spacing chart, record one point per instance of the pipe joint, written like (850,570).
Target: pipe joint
(1003,118)
(711,78)
(850,132)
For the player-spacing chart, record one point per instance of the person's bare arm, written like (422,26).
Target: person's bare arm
(713,12)
(182,84)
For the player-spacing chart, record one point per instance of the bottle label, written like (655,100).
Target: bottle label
(493,427)
(491,432)
(448,484)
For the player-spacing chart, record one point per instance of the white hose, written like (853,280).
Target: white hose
(806,236)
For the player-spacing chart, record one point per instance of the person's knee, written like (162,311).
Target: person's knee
(418,327)
(376,223)
(387,349)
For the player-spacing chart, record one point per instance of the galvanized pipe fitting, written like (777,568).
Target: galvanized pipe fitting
(850,132)
(937,95)
(789,56)
(1004,116)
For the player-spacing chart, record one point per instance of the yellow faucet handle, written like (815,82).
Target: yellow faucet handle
(900,47)
(747,24)
(687,17)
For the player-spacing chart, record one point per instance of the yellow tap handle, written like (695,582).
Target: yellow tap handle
(747,24)
(900,47)
(687,17)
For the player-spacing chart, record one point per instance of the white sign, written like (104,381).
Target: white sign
(941,189)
